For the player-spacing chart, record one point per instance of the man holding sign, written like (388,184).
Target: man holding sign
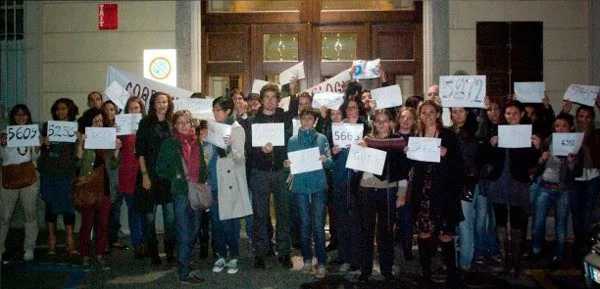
(268,175)
(309,187)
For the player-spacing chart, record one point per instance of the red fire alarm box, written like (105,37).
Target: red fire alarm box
(108,17)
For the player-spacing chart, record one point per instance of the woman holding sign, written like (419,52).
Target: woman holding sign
(434,191)
(310,191)
(57,167)
(19,180)
(507,188)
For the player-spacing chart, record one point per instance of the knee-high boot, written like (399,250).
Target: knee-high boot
(51,238)
(449,253)
(516,243)
(71,248)
(426,252)
(502,234)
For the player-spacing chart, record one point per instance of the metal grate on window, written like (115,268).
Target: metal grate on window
(12,55)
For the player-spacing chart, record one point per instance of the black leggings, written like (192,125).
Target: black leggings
(518,217)
(68,218)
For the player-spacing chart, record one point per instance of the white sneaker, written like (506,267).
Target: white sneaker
(219,265)
(345,267)
(28,256)
(232,266)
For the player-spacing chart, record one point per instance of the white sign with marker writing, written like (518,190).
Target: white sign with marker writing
(127,123)
(346,134)
(514,136)
(389,96)
(462,90)
(366,159)
(331,100)
(199,107)
(62,131)
(584,94)
(22,135)
(296,71)
(305,161)
(217,132)
(263,133)
(100,138)
(530,92)
(425,149)
(117,94)
(564,144)
(366,69)
(333,84)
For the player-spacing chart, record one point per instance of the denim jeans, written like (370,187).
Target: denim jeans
(136,225)
(169,226)
(115,219)
(187,222)
(485,225)
(311,213)
(467,232)
(225,233)
(583,201)
(545,199)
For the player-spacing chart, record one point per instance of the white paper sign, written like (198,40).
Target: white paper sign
(216,132)
(462,90)
(331,100)
(366,69)
(100,138)
(296,71)
(258,84)
(346,134)
(366,159)
(62,131)
(117,94)
(564,144)
(584,94)
(263,133)
(303,161)
(514,136)
(333,84)
(295,126)
(425,149)
(201,108)
(284,103)
(389,96)
(127,123)
(22,135)
(530,92)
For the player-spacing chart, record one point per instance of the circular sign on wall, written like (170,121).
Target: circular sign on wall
(161,65)
(160,68)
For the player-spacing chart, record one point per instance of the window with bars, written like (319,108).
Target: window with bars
(12,54)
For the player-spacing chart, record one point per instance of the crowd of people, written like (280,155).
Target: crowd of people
(483,193)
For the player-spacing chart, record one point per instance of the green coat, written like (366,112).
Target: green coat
(169,166)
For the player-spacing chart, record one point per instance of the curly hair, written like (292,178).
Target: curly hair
(73,110)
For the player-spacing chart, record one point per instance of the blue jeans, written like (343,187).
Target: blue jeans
(187,222)
(583,201)
(225,233)
(467,232)
(115,219)
(544,200)
(311,213)
(485,225)
(134,221)
(169,226)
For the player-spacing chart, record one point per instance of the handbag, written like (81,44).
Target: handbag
(199,194)
(88,191)
(18,176)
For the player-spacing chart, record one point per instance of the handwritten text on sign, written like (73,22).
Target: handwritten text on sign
(296,71)
(331,100)
(346,134)
(23,135)
(388,96)
(564,144)
(514,136)
(530,92)
(425,149)
(584,94)
(217,132)
(127,123)
(305,161)
(62,131)
(263,133)
(462,90)
(100,137)
(333,84)
(366,159)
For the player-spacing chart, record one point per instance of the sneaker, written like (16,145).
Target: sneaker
(321,271)
(232,266)
(219,265)
(85,264)
(103,264)
(28,256)
(307,268)
(345,267)
(192,279)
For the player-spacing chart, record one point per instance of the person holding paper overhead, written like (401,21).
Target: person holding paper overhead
(376,198)
(22,158)
(229,189)
(507,187)
(95,216)
(583,199)
(434,191)
(151,189)
(269,176)
(310,192)
(556,182)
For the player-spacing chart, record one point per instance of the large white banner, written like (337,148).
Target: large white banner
(142,87)
(333,84)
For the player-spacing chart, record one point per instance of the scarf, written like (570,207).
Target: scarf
(190,151)
(230,120)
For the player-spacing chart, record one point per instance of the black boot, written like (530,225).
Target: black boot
(425,254)
(203,235)
(153,248)
(502,234)
(449,253)
(170,252)
(516,244)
